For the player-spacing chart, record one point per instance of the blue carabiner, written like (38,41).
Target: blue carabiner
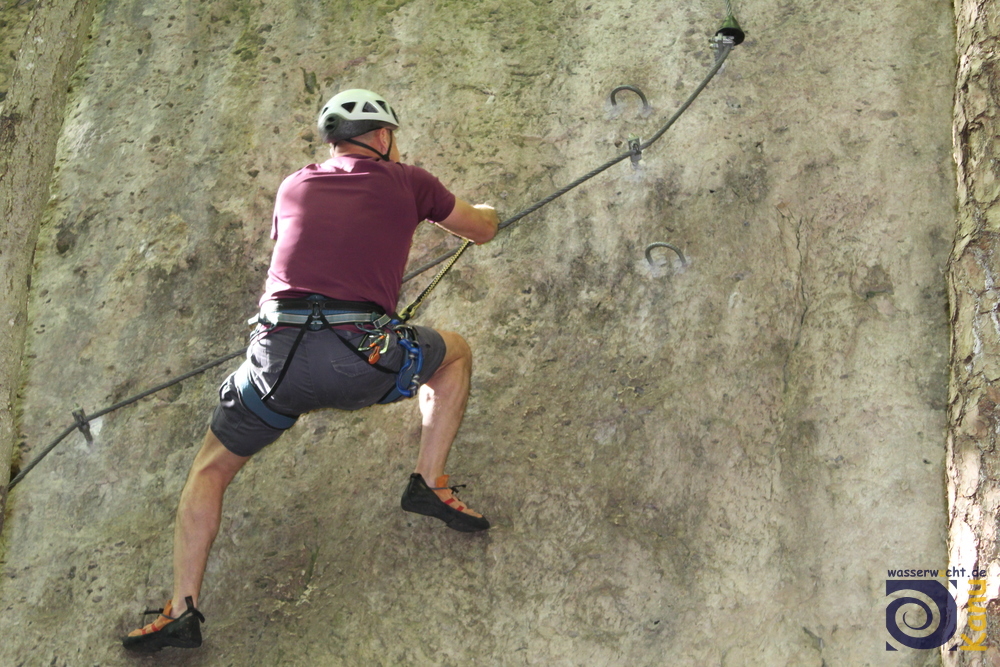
(414,357)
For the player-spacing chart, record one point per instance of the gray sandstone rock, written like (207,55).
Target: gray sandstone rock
(712,464)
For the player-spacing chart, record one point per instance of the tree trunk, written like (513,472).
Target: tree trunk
(974,401)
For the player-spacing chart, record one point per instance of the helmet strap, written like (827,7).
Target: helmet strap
(384,156)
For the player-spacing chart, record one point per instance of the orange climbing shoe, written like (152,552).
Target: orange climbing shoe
(182,632)
(440,502)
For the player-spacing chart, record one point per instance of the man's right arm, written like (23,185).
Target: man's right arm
(477,223)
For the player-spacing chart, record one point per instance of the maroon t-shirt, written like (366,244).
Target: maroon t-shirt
(343,228)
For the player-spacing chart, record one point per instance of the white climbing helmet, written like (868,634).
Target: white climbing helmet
(353,112)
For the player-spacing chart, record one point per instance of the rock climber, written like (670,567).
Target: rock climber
(326,336)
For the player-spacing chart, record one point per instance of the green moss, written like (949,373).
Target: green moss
(12,28)
(249,44)
(369,13)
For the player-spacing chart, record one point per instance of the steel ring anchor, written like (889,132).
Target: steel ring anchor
(661,244)
(634,89)
(634,143)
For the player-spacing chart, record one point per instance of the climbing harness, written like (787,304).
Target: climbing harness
(334,119)
(316,313)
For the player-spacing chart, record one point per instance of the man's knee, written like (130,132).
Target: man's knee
(456,348)
(215,462)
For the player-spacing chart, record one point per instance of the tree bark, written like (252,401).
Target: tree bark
(30,123)
(974,397)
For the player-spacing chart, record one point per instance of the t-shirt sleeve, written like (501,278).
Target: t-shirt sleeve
(434,201)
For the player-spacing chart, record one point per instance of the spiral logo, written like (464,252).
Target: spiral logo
(926,616)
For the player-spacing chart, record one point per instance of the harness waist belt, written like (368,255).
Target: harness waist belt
(326,304)
(299,311)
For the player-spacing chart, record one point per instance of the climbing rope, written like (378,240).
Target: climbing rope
(725,44)
(82,421)
(727,37)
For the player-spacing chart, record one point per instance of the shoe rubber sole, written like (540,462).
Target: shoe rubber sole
(185,632)
(454,519)
(152,643)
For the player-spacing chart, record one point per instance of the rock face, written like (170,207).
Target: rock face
(32,101)
(686,465)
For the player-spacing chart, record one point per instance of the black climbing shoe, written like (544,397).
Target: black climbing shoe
(441,503)
(182,632)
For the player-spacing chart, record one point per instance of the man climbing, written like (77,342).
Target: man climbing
(326,336)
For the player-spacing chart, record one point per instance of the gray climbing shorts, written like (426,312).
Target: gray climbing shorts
(324,373)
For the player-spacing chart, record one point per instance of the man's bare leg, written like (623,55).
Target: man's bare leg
(198,517)
(442,403)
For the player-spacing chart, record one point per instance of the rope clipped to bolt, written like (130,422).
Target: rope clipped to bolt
(727,37)
(82,421)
